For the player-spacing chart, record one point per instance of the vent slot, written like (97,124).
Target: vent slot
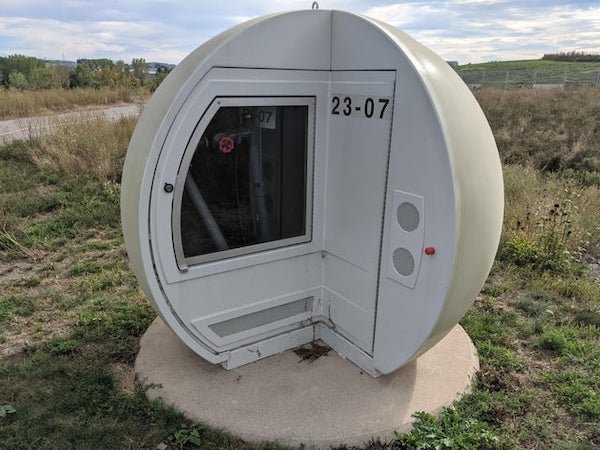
(261,318)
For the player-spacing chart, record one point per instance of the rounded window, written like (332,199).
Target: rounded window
(247,182)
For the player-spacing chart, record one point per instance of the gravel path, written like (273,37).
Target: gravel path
(24,128)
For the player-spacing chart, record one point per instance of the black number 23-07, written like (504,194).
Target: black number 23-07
(367,107)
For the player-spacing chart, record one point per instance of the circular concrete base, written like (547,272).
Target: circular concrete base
(326,402)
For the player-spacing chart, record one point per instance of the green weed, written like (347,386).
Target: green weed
(187,436)
(86,268)
(62,346)
(538,304)
(586,317)
(553,340)
(493,290)
(577,391)
(15,305)
(500,357)
(101,245)
(451,431)
(31,281)
(6,410)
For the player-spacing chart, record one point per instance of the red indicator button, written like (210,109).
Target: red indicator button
(430,251)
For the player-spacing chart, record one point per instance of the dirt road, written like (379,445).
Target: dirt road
(24,128)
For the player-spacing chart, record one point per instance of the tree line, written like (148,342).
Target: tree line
(27,72)
(572,56)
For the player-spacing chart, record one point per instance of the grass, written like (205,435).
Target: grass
(552,131)
(71,318)
(525,337)
(95,148)
(551,221)
(451,431)
(15,103)
(527,72)
(71,313)
(530,64)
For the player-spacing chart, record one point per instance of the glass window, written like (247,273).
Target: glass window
(247,182)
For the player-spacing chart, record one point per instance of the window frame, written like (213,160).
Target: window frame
(184,262)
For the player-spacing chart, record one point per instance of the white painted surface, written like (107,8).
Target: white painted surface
(432,147)
(357,158)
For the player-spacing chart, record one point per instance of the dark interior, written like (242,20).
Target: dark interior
(247,182)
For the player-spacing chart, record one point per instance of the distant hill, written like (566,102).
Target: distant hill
(530,71)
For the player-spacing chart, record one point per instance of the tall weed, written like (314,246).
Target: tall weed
(17,104)
(550,222)
(551,130)
(94,149)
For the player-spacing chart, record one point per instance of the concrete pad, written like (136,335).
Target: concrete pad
(329,401)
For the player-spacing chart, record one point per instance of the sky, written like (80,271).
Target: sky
(166,31)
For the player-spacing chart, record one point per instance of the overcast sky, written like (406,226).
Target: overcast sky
(166,31)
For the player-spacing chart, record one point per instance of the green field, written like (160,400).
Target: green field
(72,314)
(530,72)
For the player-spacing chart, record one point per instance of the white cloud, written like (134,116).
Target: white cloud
(402,15)
(52,39)
(463,30)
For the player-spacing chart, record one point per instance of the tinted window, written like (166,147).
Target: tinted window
(247,181)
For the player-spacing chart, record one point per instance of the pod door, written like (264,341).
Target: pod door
(360,116)
(242,206)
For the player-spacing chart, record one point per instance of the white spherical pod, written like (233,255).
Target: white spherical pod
(312,175)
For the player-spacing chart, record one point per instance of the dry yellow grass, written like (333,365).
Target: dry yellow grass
(16,104)
(549,142)
(551,130)
(93,148)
